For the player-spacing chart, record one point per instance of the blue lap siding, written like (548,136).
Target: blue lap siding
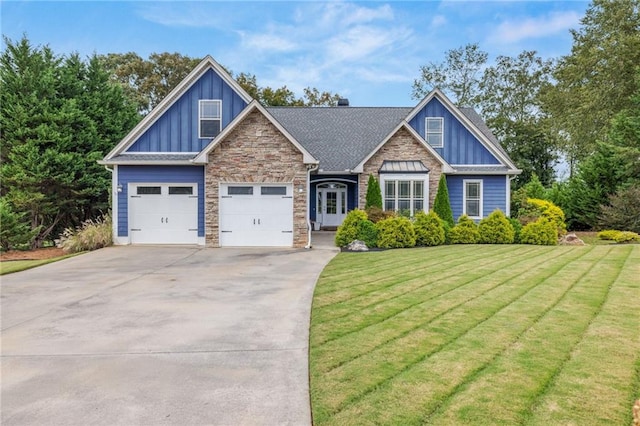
(494,193)
(157,174)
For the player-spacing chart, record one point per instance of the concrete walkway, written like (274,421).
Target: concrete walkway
(160,335)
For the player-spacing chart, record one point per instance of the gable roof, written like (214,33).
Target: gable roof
(340,137)
(202,157)
(469,118)
(205,65)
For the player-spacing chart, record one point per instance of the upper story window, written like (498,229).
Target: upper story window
(434,131)
(210,118)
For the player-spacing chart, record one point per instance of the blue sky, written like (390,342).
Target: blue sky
(369,52)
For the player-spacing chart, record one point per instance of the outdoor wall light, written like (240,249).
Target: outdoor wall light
(119,187)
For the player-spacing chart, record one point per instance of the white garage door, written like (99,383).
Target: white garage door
(163,213)
(259,215)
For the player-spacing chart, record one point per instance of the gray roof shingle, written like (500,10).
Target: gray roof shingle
(339,137)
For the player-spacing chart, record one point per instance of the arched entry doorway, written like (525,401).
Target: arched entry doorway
(331,203)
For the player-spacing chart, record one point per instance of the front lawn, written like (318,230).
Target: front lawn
(477,335)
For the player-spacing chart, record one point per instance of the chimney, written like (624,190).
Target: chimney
(343,102)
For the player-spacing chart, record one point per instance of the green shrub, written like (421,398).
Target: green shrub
(348,231)
(627,237)
(442,204)
(517,228)
(541,232)
(429,229)
(608,234)
(368,233)
(396,232)
(535,209)
(14,229)
(465,231)
(374,195)
(376,214)
(496,229)
(623,210)
(91,235)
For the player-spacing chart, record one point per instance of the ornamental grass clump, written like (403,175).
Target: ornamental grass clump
(396,232)
(465,231)
(496,229)
(92,234)
(429,229)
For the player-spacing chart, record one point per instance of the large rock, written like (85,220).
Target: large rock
(571,240)
(357,245)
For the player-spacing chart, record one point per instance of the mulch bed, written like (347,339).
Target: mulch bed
(38,254)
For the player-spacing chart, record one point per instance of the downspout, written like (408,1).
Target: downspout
(509,195)
(310,168)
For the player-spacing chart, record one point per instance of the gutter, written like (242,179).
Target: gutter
(310,168)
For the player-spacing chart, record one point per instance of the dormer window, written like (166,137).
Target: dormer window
(434,132)
(210,118)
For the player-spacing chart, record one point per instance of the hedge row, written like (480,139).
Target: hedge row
(427,229)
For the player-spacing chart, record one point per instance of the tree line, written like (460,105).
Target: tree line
(60,114)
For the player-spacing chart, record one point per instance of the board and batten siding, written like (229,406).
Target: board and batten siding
(494,193)
(157,174)
(177,129)
(460,145)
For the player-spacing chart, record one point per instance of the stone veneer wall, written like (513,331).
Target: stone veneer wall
(255,152)
(401,147)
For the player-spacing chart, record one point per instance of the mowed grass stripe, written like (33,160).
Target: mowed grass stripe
(600,382)
(401,285)
(422,259)
(523,371)
(346,389)
(348,268)
(356,344)
(360,319)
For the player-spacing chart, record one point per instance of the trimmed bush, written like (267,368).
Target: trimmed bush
(376,214)
(608,234)
(368,233)
(396,232)
(496,229)
(442,204)
(465,231)
(348,231)
(91,235)
(627,237)
(374,195)
(541,232)
(517,228)
(429,229)
(535,209)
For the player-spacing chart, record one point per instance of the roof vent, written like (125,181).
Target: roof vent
(343,102)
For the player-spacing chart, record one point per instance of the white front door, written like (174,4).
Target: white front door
(258,215)
(332,205)
(161,213)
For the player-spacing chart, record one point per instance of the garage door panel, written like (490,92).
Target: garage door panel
(168,217)
(262,218)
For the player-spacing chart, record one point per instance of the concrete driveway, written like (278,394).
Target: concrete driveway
(160,335)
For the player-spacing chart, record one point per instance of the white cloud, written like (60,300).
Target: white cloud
(513,31)
(267,42)
(438,21)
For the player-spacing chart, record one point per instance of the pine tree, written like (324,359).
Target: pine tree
(441,205)
(374,196)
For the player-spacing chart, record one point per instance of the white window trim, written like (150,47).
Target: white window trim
(441,133)
(201,102)
(464,197)
(410,177)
